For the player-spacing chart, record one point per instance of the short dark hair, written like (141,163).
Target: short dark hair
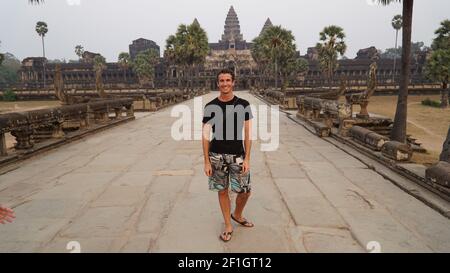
(225,71)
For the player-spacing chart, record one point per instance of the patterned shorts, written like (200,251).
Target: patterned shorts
(226,170)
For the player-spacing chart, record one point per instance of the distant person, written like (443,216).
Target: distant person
(6,215)
(227,155)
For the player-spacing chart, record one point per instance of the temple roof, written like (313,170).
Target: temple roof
(196,22)
(232,30)
(267,24)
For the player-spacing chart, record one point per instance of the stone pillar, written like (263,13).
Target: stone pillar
(327,120)
(363,114)
(23,138)
(89,116)
(344,126)
(130,111)
(3,149)
(58,130)
(118,112)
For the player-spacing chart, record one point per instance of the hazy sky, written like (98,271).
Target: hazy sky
(109,26)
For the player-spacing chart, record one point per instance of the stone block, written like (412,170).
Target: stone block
(439,174)
(397,151)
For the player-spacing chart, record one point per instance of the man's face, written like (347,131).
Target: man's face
(225,83)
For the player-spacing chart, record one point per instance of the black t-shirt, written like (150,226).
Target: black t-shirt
(227,131)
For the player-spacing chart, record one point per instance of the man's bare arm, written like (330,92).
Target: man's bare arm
(247,144)
(206,129)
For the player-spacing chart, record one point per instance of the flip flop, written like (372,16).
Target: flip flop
(245,223)
(224,235)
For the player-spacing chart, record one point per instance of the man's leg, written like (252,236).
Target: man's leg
(241,201)
(224,201)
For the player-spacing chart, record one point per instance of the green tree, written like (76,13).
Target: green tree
(416,48)
(276,47)
(9,69)
(188,48)
(9,95)
(42,29)
(2,57)
(332,45)
(124,61)
(398,132)
(79,50)
(261,59)
(144,66)
(397,23)
(438,64)
(99,67)
(290,67)
(442,41)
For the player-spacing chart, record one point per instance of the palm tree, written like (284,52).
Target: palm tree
(397,23)
(42,29)
(438,65)
(276,46)
(124,63)
(261,59)
(329,49)
(443,36)
(398,132)
(188,47)
(144,66)
(2,57)
(99,66)
(79,50)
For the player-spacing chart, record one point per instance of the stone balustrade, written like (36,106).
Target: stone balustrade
(368,138)
(439,174)
(36,125)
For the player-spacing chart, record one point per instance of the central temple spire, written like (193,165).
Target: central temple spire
(232,29)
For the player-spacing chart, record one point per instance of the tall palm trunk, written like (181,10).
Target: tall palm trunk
(43,53)
(276,74)
(398,132)
(444,95)
(395,57)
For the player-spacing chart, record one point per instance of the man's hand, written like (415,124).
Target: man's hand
(245,166)
(208,169)
(6,214)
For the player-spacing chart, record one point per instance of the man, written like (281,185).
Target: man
(6,214)
(227,161)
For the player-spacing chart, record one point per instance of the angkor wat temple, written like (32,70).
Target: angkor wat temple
(231,51)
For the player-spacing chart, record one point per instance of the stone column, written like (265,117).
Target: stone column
(3,149)
(130,111)
(363,114)
(118,112)
(23,138)
(89,116)
(58,130)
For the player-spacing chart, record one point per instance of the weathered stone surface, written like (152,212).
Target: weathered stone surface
(338,204)
(322,130)
(368,138)
(439,174)
(445,155)
(397,151)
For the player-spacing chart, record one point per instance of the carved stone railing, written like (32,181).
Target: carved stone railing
(368,138)
(34,126)
(439,174)
(154,102)
(325,111)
